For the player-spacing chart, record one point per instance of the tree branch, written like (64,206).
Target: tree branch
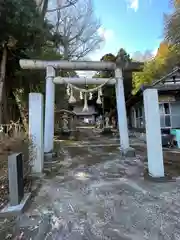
(77,30)
(70,3)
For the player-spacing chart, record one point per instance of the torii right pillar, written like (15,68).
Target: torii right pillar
(122,115)
(153,133)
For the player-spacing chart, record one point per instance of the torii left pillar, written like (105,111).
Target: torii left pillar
(49,110)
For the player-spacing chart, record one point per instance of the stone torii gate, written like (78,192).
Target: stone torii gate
(51,80)
(36,103)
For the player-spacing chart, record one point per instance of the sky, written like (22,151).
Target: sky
(135,25)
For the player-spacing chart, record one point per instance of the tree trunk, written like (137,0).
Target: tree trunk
(42,6)
(6,117)
(22,111)
(2,79)
(66,57)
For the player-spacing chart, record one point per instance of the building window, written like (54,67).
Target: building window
(165,115)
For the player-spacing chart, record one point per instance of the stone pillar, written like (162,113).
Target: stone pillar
(36,130)
(153,133)
(49,110)
(121,109)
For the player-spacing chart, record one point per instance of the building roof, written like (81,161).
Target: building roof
(170,78)
(169,82)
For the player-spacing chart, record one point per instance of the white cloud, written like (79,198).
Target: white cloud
(108,37)
(97,55)
(106,34)
(144,56)
(154,52)
(133,4)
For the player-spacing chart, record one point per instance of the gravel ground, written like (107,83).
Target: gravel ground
(96,194)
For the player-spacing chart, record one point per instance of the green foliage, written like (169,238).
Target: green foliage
(152,70)
(108,57)
(168,55)
(173,58)
(172,35)
(109,91)
(123,58)
(25,35)
(172,24)
(20,20)
(176,3)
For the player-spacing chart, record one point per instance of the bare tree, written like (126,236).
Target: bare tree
(50,6)
(76,30)
(42,6)
(61,4)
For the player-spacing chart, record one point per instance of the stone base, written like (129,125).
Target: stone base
(10,211)
(50,157)
(149,177)
(128,152)
(50,154)
(159,179)
(49,165)
(65,135)
(37,175)
(66,132)
(106,131)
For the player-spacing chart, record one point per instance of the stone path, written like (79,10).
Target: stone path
(96,194)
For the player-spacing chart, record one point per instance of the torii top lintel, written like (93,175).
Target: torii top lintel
(75,65)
